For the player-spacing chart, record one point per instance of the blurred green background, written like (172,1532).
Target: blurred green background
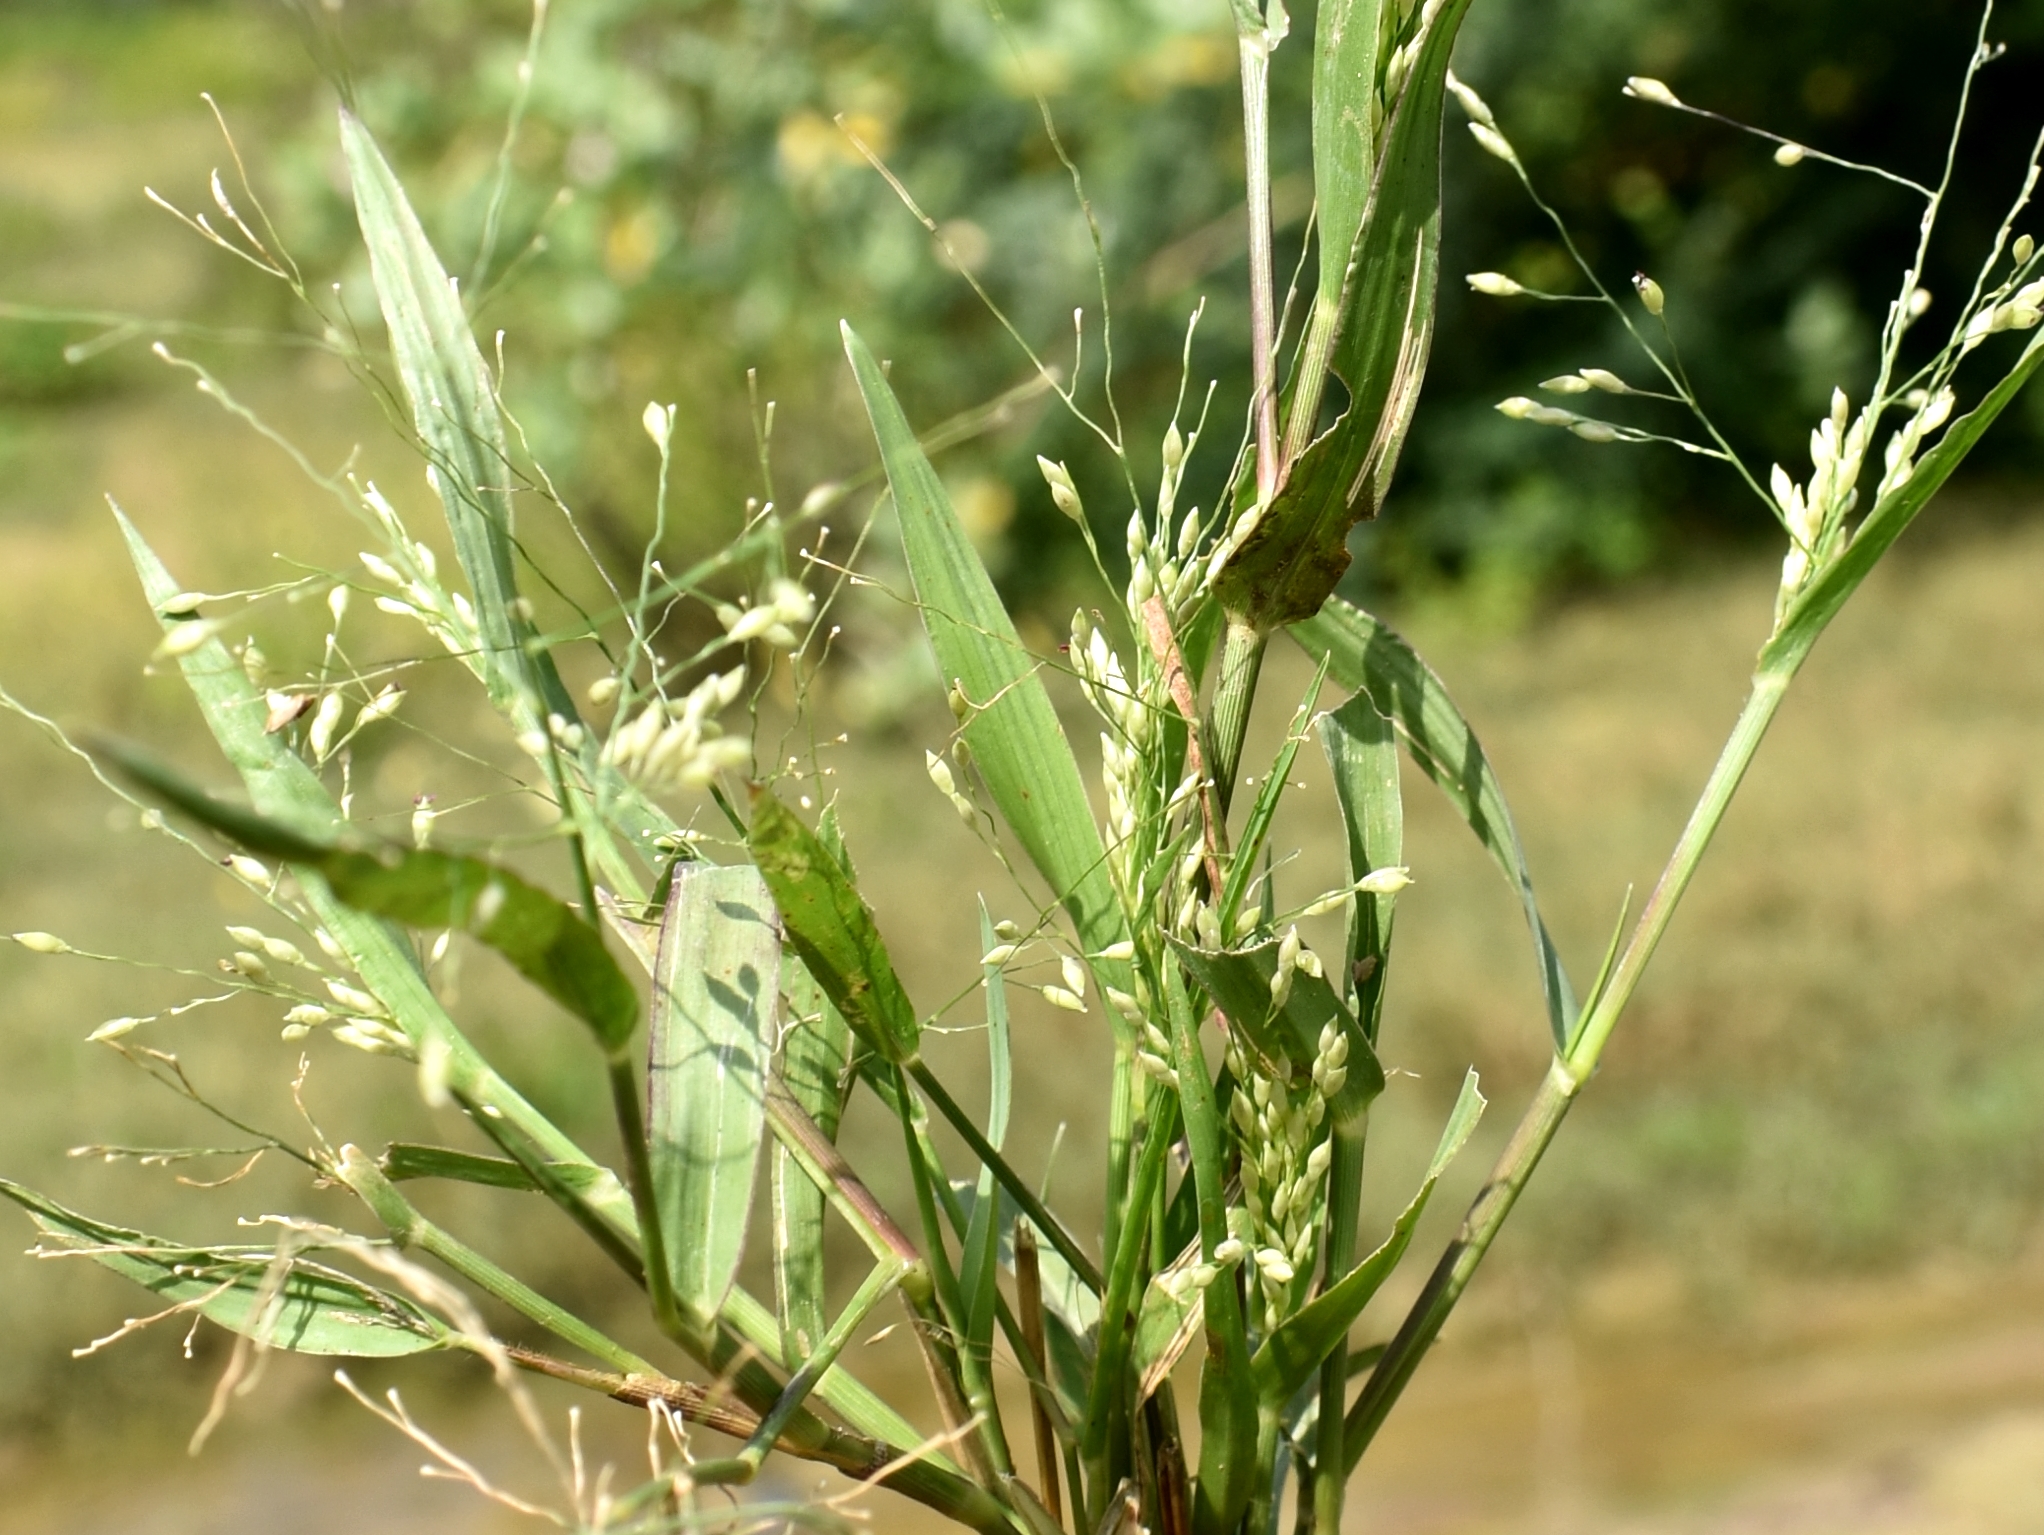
(1785,1264)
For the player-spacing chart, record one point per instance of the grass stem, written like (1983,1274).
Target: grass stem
(1565,1078)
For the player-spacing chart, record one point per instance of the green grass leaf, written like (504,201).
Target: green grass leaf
(1016,740)
(1289,1356)
(454,411)
(1249,848)
(542,938)
(1345,40)
(282,788)
(1287,1037)
(980,1254)
(1169,1318)
(831,929)
(405,1161)
(309,1309)
(816,1047)
(1370,656)
(1289,563)
(716,996)
(1362,754)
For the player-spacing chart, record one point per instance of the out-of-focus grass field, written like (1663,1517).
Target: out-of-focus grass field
(1782,1273)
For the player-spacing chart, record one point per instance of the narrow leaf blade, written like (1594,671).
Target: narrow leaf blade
(1286,1036)
(1286,566)
(1819,602)
(815,1050)
(715,999)
(1345,110)
(282,788)
(832,930)
(1362,754)
(542,938)
(454,411)
(1370,656)
(309,1309)
(1014,733)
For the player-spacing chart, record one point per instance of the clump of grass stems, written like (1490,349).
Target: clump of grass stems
(1245,1061)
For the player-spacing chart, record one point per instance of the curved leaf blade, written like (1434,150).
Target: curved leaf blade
(832,930)
(1014,733)
(1287,565)
(542,938)
(283,788)
(308,1309)
(716,996)
(454,411)
(1287,1037)
(1367,654)
(1362,755)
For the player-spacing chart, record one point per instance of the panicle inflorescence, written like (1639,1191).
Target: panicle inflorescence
(678,743)
(1280,1129)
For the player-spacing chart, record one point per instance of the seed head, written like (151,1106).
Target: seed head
(1594,431)
(1473,104)
(1062,490)
(1060,998)
(113,1028)
(2023,250)
(381,707)
(603,690)
(1789,154)
(1276,1267)
(1566,383)
(42,943)
(1496,284)
(1610,383)
(1494,143)
(1647,88)
(658,421)
(1650,294)
(999,954)
(184,638)
(1074,974)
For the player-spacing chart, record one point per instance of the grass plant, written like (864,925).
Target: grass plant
(680,823)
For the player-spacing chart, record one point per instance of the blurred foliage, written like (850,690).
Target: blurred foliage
(717,217)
